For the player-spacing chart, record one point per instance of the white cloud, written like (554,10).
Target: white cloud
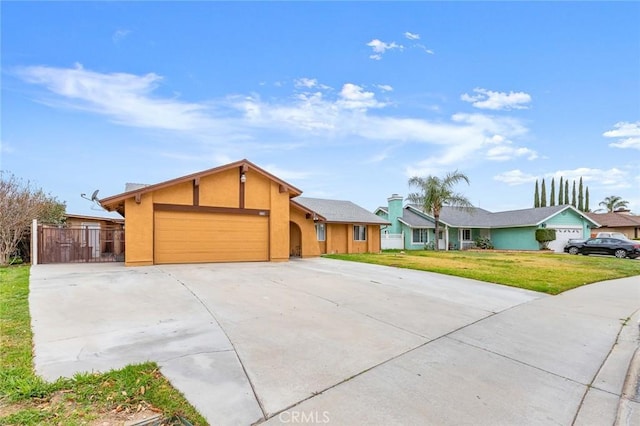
(515,177)
(380,47)
(506,152)
(628,135)
(355,97)
(384,87)
(412,36)
(488,99)
(318,116)
(126,98)
(424,48)
(611,178)
(309,83)
(120,35)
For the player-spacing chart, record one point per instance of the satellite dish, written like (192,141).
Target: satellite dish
(94,196)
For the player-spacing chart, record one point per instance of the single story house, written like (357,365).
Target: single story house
(237,212)
(412,228)
(618,221)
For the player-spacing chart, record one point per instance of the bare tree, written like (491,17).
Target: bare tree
(20,203)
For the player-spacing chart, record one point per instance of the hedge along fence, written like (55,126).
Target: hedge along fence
(544,236)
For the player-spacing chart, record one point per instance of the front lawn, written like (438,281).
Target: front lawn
(544,272)
(132,393)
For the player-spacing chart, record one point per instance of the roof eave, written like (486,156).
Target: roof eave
(110,201)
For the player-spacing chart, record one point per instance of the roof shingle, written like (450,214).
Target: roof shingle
(340,211)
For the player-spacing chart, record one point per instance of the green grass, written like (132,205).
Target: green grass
(544,272)
(26,399)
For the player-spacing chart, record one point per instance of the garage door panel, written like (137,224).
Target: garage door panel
(563,234)
(187,237)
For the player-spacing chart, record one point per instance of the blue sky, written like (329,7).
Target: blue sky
(342,100)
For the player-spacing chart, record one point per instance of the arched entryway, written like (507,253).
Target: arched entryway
(295,240)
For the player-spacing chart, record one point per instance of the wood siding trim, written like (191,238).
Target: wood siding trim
(242,185)
(196,192)
(208,209)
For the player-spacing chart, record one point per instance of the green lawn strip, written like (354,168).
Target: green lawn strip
(543,272)
(30,400)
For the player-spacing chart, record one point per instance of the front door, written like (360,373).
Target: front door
(442,244)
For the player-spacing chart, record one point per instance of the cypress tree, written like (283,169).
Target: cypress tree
(552,197)
(580,196)
(536,196)
(543,195)
(573,194)
(586,199)
(560,194)
(566,191)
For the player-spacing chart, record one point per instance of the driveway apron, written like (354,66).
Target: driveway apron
(347,343)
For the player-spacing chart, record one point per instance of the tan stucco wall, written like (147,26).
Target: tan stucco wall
(340,239)
(261,193)
(138,232)
(178,194)
(221,189)
(310,244)
(336,238)
(257,191)
(278,224)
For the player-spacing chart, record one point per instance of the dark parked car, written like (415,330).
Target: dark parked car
(617,247)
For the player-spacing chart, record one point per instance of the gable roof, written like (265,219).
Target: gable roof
(476,217)
(339,211)
(133,190)
(414,218)
(613,220)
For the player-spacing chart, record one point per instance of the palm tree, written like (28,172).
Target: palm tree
(435,192)
(613,203)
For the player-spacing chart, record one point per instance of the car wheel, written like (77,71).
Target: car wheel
(620,253)
(573,250)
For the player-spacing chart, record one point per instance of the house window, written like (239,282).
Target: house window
(359,233)
(466,235)
(420,236)
(320,231)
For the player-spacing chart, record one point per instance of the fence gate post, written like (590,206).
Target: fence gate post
(34,242)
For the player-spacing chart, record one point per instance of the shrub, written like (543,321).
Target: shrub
(483,243)
(544,236)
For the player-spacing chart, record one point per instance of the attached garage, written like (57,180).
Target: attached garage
(234,213)
(194,237)
(564,234)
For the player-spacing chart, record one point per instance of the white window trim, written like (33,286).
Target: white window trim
(324,232)
(462,234)
(420,242)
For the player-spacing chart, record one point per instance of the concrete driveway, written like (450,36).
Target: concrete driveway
(326,341)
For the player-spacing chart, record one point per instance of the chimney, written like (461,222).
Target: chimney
(395,212)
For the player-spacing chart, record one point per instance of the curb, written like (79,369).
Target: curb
(629,405)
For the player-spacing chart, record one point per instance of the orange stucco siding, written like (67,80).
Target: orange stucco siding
(178,194)
(138,233)
(310,246)
(221,189)
(336,238)
(278,224)
(257,191)
(285,228)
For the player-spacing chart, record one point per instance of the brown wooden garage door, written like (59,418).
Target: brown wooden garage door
(188,237)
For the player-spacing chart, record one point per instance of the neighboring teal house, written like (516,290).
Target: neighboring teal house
(412,229)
